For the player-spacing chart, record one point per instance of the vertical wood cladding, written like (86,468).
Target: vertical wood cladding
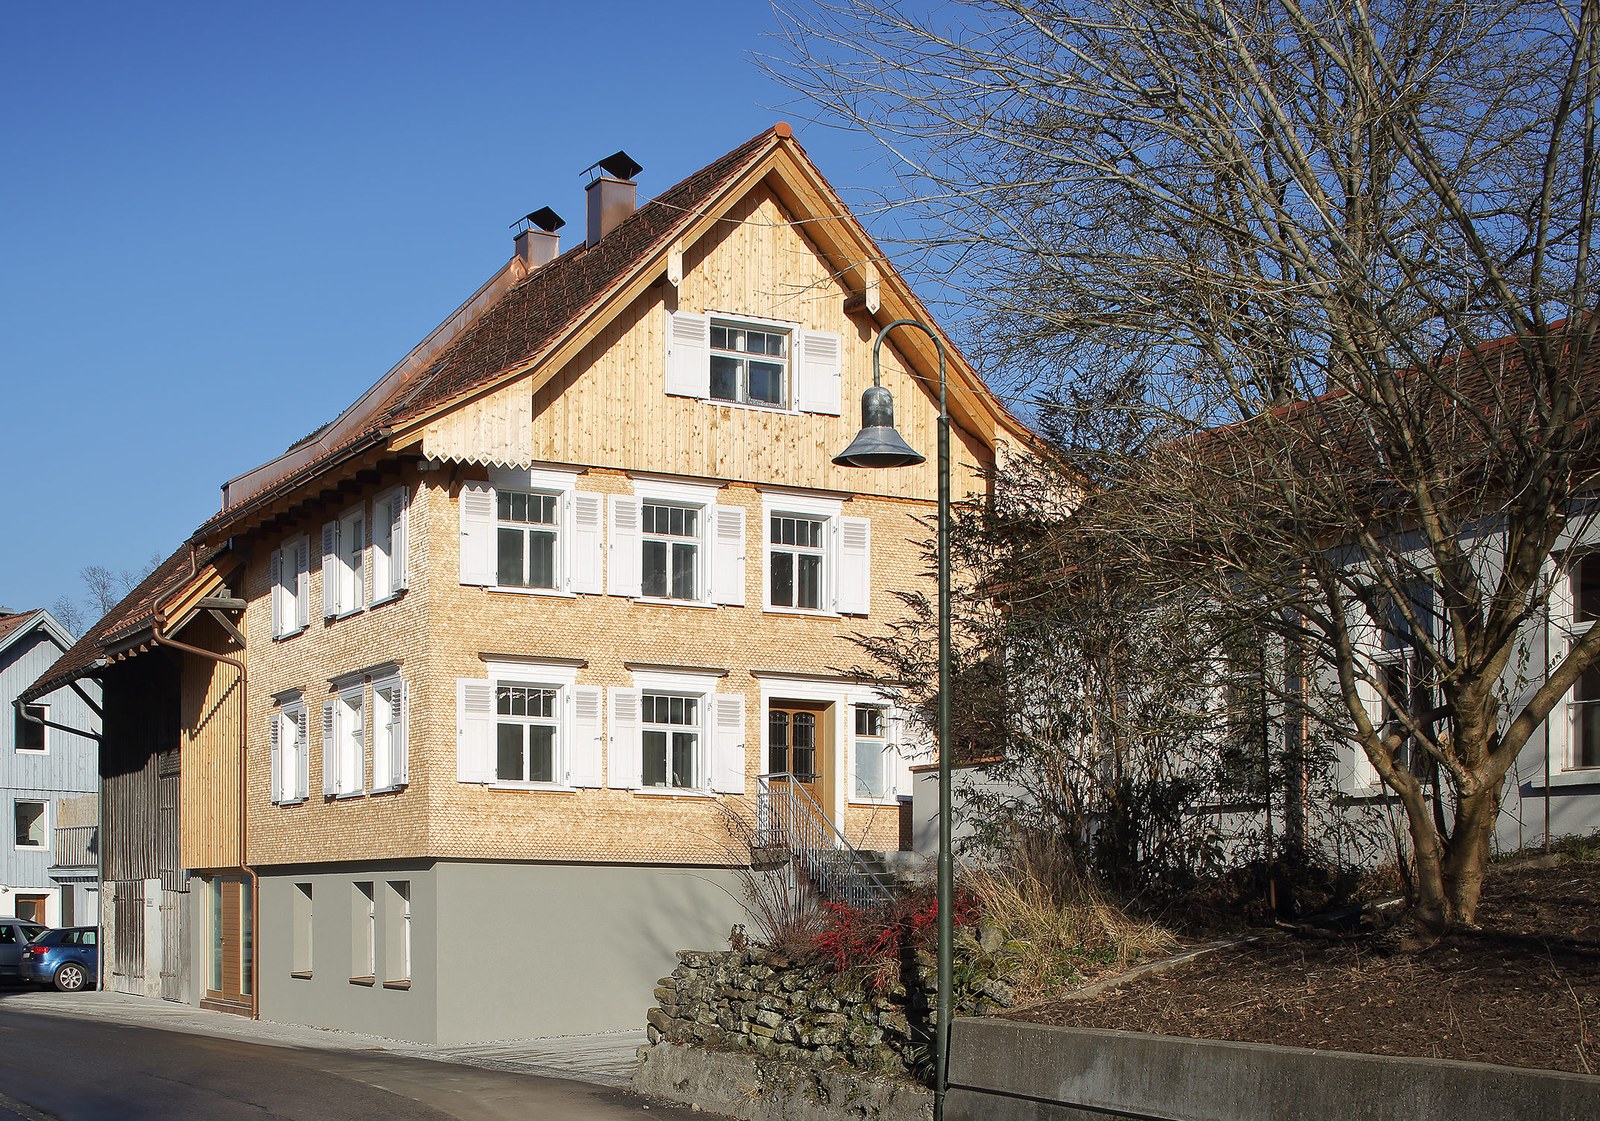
(142,712)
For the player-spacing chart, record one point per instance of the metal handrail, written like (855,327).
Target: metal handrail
(792,820)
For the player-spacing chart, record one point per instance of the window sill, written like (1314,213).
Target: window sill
(366,982)
(406,984)
(287,635)
(672,792)
(390,598)
(289,801)
(395,789)
(346,796)
(654,601)
(553,593)
(300,974)
(805,612)
(890,800)
(329,620)
(533,787)
(1588,776)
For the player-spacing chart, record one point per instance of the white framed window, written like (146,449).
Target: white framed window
(874,766)
(390,717)
(30,734)
(344,548)
(31,824)
(674,543)
(817,559)
(1574,724)
(527,731)
(344,761)
(531,530)
(1393,689)
(749,363)
(389,545)
(749,360)
(290,750)
(670,566)
(528,724)
(291,587)
(675,733)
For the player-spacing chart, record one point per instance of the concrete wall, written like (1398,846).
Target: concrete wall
(498,950)
(1002,1070)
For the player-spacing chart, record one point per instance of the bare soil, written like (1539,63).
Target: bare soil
(1524,990)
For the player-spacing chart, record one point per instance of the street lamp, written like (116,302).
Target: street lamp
(879,445)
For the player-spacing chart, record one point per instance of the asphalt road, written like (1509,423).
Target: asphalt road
(56,1069)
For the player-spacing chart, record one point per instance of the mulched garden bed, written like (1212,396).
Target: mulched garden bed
(1522,991)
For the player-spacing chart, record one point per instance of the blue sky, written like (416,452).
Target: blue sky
(219,223)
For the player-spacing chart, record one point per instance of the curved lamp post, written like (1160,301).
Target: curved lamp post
(879,445)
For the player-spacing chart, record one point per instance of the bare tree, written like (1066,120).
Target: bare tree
(104,588)
(1329,267)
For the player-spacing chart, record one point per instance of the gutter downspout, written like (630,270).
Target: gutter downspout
(244,867)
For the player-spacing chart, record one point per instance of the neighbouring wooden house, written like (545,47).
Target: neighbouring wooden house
(47,779)
(506,647)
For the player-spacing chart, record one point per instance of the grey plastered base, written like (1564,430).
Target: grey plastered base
(751,1088)
(1005,1070)
(499,950)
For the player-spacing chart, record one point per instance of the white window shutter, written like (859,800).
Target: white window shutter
(897,765)
(277,757)
(330,752)
(400,767)
(854,594)
(586,769)
(727,554)
(819,361)
(399,524)
(626,767)
(588,534)
(474,730)
(477,534)
(688,354)
(626,541)
(330,570)
(727,752)
(302,754)
(360,593)
(302,581)
(279,605)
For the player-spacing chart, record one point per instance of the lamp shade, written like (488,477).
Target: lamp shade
(878,444)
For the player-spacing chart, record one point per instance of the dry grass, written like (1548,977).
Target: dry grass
(1061,942)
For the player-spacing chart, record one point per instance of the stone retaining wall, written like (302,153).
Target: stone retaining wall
(762,1001)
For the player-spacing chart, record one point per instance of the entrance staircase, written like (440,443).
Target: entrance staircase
(792,829)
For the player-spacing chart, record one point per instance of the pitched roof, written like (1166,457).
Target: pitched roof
(530,317)
(135,613)
(12,625)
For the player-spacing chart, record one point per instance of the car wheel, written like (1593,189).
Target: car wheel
(71,977)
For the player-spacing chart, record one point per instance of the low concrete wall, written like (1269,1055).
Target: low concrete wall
(1001,1070)
(752,1088)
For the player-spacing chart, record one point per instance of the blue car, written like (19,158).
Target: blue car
(68,958)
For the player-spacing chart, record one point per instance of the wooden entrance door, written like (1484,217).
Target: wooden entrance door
(230,942)
(797,745)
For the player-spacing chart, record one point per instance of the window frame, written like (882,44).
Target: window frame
(1564,733)
(44,829)
(291,713)
(700,769)
(345,542)
(290,608)
(789,332)
(882,743)
(710,589)
(23,727)
(396,746)
(387,580)
(562,681)
(560,508)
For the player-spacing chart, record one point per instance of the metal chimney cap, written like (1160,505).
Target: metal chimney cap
(544,218)
(618,165)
